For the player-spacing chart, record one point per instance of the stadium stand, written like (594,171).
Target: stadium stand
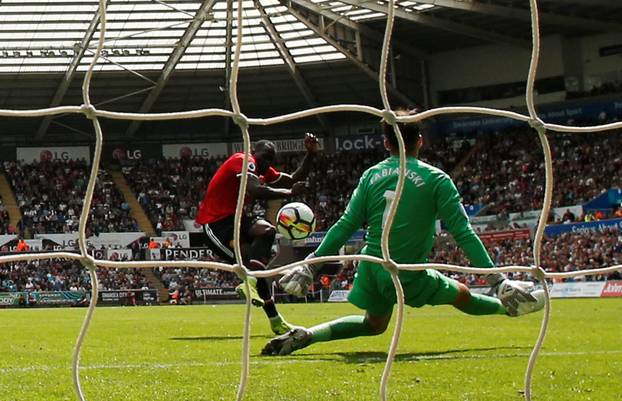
(335,177)
(52,275)
(50,196)
(508,169)
(562,253)
(508,177)
(609,87)
(4,220)
(169,189)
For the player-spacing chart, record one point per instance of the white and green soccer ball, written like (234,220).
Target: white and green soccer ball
(295,221)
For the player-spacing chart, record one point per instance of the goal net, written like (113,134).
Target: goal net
(244,123)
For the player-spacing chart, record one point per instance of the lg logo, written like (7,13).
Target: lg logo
(187,152)
(126,154)
(48,155)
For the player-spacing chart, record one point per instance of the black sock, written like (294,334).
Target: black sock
(270,308)
(263,289)
(261,247)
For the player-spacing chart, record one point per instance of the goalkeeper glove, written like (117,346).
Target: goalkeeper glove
(514,295)
(298,280)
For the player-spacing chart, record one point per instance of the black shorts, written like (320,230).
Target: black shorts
(218,236)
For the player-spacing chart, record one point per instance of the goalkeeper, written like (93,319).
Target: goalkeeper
(428,193)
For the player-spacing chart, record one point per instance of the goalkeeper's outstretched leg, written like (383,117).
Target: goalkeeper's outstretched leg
(432,288)
(339,329)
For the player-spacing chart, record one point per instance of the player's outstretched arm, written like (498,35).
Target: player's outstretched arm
(453,214)
(311,144)
(256,189)
(287,180)
(514,295)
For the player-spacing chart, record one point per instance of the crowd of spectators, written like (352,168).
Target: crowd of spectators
(122,279)
(5,227)
(586,165)
(505,176)
(65,275)
(568,252)
(605,88)
(169,190)
(562,253)
(180,282)
(589,216)
(50,195)
(508,176)
(196,278)
(336,175)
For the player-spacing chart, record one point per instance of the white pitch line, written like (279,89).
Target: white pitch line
(278,361)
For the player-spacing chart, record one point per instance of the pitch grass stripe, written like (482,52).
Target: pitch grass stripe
(288,361)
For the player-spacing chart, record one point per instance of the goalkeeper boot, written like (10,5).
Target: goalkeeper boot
(254,295)
(280,326)
(295,339)
(530,307)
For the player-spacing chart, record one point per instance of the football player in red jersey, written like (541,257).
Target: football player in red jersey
(217,211)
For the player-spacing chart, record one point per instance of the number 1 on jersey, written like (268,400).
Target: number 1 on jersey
(389,196)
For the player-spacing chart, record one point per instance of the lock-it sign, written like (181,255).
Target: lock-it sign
(358,142)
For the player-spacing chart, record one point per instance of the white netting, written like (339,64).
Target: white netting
(244,122)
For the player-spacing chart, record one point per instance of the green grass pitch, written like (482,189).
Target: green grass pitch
(193,353)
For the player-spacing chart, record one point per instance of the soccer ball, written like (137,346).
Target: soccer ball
(295,220)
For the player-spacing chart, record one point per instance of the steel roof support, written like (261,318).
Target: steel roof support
(79,49)
(200,17)
(292,68)
(227,123)
(353,58)
(524,14)
(361,28)
(439,23)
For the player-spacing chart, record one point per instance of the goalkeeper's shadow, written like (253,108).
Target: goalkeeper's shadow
(358,357)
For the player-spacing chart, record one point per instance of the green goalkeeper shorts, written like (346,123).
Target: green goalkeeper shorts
(374,292)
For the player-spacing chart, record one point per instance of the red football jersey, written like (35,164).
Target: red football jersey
(222,192)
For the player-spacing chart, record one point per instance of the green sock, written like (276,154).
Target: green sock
(480,304)
(344,327)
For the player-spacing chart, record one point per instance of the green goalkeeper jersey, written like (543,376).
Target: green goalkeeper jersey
(428,194)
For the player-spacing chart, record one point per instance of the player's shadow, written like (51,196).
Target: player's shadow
(215,338)
(463,353)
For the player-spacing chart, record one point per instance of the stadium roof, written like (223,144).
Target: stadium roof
(175,55)
(142,34)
